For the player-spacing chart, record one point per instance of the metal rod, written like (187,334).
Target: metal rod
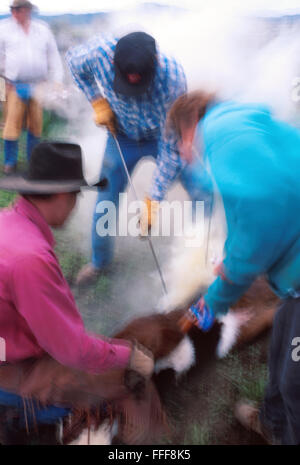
(136,197)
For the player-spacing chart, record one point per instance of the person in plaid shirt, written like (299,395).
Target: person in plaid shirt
(131,86)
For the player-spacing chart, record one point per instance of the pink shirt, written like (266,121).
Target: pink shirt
(38,313)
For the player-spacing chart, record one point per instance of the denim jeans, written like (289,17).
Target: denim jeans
(193,179)
(280,412)
(34,411)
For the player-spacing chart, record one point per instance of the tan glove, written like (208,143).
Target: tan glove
(103,114)
(141,360)
(149,215)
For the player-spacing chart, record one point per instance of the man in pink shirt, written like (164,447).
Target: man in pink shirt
(39,320)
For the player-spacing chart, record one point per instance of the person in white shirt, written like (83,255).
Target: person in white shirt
(28,56)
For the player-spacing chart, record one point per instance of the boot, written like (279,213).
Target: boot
(32,141)
(10,156)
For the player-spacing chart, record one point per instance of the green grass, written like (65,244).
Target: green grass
(70,262)
(198,434)
(248,379)
(220,409)
(6,198)
(99,291)
(254,388)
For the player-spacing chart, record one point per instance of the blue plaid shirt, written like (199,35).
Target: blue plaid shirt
(91,65)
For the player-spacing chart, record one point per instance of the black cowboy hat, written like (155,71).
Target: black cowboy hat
(53,167)
(135,53)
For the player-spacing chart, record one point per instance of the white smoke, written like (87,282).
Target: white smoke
(239,57)
(245,58)
(190,270)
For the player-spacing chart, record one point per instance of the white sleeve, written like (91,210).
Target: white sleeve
(2,52)
(55,66)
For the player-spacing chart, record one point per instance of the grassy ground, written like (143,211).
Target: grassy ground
(200,405)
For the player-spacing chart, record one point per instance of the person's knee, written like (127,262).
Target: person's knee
(35,130)
(35,126)
(35,118)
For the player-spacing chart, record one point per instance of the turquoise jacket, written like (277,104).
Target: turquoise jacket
(255,162)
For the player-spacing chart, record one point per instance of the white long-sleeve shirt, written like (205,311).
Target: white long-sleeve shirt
(29,57)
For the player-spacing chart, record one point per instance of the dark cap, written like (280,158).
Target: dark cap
(135,54)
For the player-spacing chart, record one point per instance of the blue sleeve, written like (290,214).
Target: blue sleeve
(168,162)
(80,61)
(245,177)
(167,168)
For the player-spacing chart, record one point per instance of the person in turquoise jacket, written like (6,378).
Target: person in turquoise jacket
(254,160)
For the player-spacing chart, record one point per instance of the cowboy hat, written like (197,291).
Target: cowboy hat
(54,167)
(22,4)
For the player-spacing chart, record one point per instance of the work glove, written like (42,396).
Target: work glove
(103,114)
(141,360)
(148,216)
(202,315)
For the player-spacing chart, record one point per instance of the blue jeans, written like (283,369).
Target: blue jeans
(193,179)
(34,412)
(280,411)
